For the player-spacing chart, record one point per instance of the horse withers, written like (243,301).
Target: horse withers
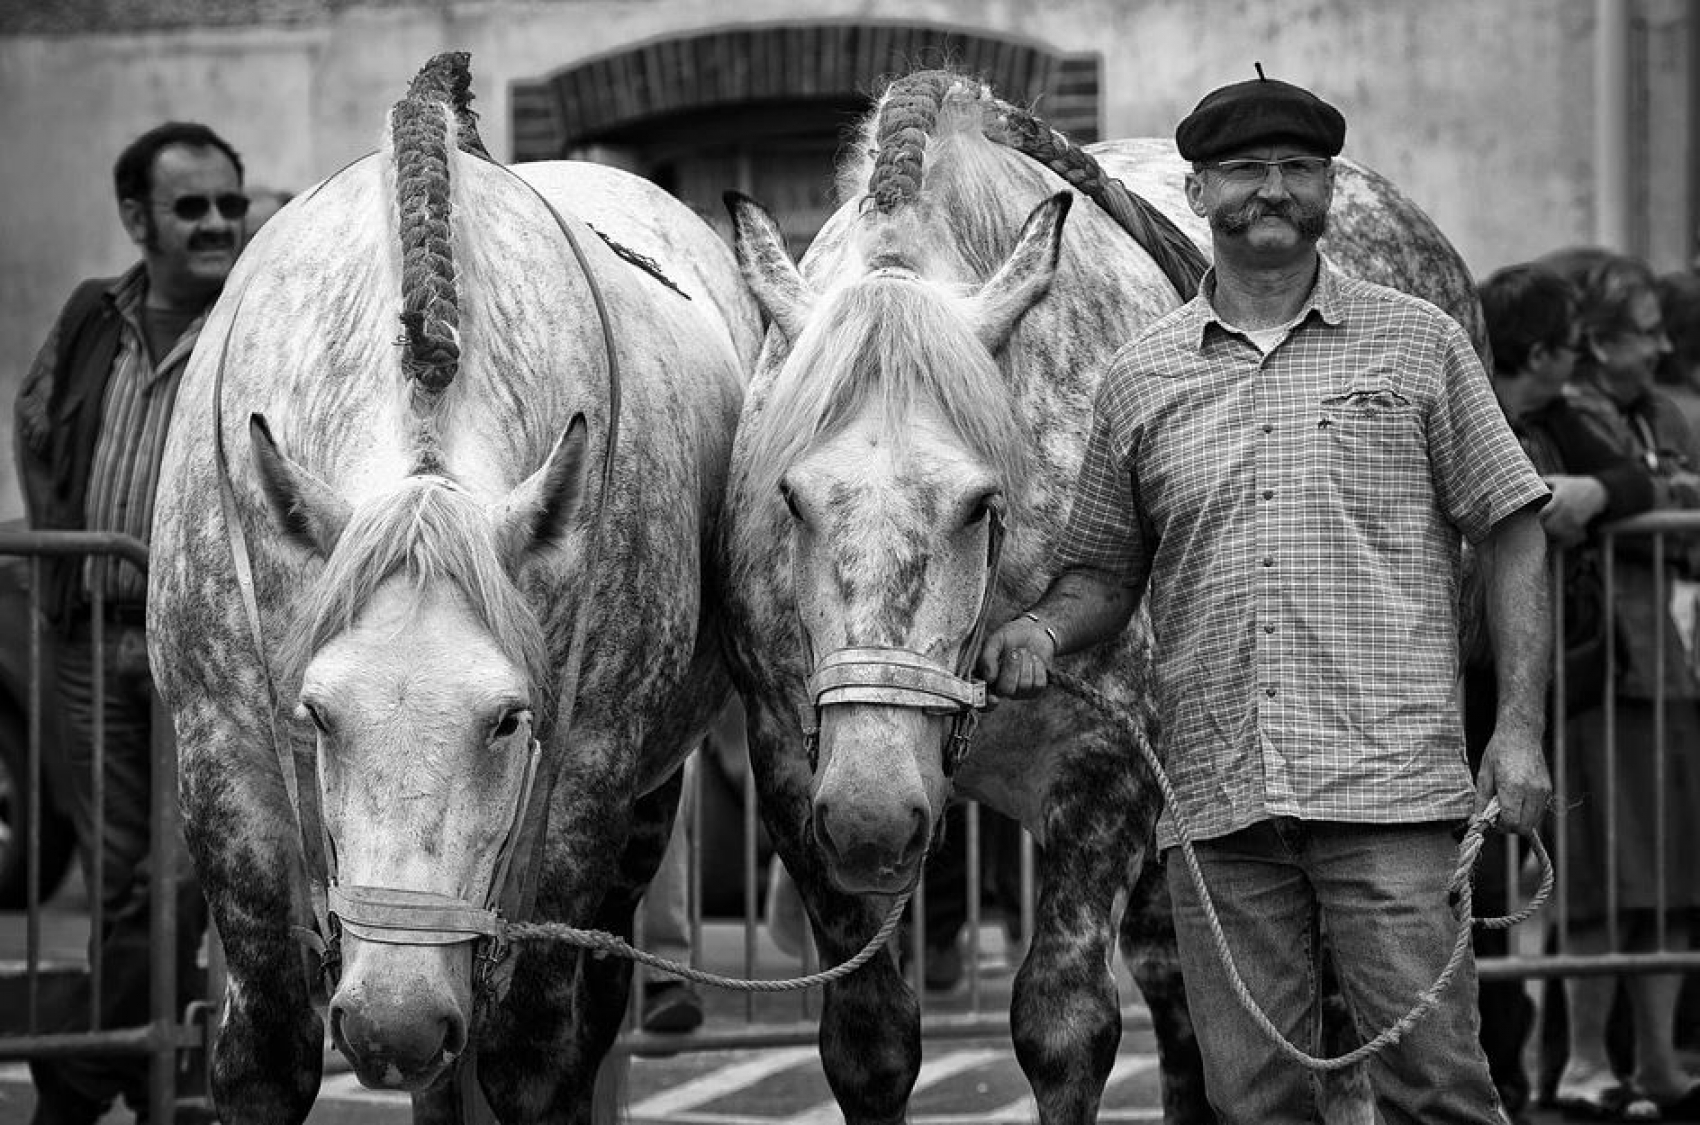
(906,450)
(432,534)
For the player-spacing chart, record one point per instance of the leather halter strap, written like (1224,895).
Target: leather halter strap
(898,677)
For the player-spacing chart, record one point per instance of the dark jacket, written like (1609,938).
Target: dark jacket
(55,479)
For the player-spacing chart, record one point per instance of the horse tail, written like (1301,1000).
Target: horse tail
(1175,254)
(907,115)
(435,109)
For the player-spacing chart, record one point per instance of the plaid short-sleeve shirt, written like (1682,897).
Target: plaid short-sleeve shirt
(1298,518)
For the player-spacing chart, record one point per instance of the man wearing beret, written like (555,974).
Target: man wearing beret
(1286,465)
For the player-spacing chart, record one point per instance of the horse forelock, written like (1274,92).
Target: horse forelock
(891,340)
(430,532)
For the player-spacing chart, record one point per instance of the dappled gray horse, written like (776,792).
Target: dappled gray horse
(435,640)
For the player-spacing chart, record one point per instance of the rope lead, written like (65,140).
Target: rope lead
(1469,851)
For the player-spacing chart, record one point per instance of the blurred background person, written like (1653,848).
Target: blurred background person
(1531,318)
(1621,344)
(92,417)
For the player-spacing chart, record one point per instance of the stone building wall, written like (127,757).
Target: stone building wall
(1482,112)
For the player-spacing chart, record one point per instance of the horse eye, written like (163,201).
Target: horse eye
(790,501)
(306,710)
(982,508)
(509,724)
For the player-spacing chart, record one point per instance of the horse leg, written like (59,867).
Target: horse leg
(1064,1015)
(870,1075)
(541,1047)
(269,1049)
(1149,951)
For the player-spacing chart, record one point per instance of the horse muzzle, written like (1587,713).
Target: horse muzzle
(403,1013)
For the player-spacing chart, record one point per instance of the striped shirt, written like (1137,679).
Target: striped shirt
(1297,516)
(135,418)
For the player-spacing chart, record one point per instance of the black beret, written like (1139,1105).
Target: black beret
(1258,112)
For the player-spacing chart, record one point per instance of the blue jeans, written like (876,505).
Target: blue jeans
(1380,893)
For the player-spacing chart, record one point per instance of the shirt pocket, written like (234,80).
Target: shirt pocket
(1370,462)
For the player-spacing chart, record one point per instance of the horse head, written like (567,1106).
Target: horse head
(889,458)
(425,679)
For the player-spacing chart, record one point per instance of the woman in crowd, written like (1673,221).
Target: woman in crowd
(1621,342)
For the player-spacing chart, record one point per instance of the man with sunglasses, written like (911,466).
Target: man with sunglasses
(1284,469)
(92,416)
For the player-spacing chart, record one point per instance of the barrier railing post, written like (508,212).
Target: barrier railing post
(160,1039)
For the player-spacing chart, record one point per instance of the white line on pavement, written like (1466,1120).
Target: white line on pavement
(721,1082)
(1025,1109)
(932,1071)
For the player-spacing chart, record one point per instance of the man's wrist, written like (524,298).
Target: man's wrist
(1056,645)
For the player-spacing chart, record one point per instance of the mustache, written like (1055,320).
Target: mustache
(1310,222)
(212,240)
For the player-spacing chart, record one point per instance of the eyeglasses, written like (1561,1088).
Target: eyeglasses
(193,208)
(1256,171)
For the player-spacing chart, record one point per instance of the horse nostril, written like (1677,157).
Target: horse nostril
(822,821)
(454,1036)
(337,1037)
(921,836)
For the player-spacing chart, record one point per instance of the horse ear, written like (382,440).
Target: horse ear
(767,265)
(1025,275)
(539,510)
(309,510)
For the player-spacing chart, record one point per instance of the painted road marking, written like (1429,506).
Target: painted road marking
(933,1071)
(721,1082)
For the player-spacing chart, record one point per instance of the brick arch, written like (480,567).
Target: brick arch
(741,66)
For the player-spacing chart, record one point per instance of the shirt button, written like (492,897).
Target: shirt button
(1269,494)
(1268,560)
(1268,427)
(1270,692)
(1269,628)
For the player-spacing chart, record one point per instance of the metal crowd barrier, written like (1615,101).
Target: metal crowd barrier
(165,1035)
(1653,532)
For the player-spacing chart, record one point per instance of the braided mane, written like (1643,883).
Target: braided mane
(909,113)
(435,109)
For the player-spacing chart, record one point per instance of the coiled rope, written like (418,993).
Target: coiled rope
(1469,851)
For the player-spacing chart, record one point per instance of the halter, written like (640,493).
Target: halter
(899,677)
(392,915)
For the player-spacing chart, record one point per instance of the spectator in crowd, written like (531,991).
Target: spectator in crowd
(1678,374)
(92,416)
(1532,325)
(1284,467)
(1621,345)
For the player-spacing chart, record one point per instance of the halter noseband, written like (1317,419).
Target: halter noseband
(898,677)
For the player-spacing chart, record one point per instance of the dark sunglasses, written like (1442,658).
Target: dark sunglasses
(193,208)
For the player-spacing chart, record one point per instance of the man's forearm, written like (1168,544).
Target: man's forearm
(1519,619)
(1083,608)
